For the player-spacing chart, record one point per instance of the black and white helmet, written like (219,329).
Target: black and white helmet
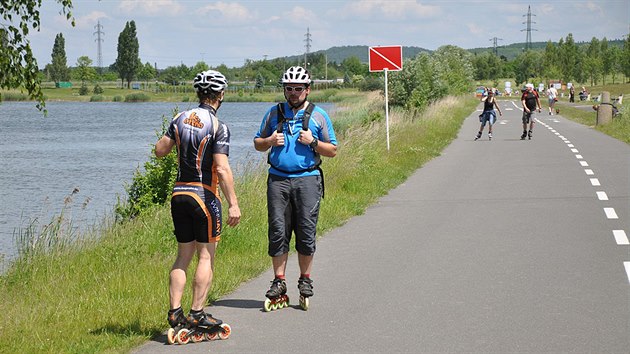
(210,80)
(296,75)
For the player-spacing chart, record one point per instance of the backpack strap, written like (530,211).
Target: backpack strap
(281,117)
(306,117)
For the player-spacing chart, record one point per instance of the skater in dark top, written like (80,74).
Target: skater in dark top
(530,102)
(295,181)
(489,115)
(203,144)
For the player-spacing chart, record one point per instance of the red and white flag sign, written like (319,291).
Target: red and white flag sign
(385,57)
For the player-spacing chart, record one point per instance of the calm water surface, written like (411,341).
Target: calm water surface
(92,147)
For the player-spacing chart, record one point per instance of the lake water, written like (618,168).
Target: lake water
(93,147)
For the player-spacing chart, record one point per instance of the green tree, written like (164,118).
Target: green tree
(58,68)
(84,70)
(625,64)
(607,59)
(455,67)
(593,62)
(616,56)
(569,57)
(146,72)
(18,66)
(128,62)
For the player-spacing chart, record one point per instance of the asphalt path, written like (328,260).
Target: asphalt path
(498,246)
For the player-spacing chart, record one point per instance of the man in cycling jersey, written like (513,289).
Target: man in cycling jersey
(203,144)
(294,184)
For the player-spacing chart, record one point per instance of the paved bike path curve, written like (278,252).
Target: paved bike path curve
(494,246)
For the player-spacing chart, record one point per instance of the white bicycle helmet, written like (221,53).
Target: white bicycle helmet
(210,80)
(296,75)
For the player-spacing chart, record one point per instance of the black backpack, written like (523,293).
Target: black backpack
(306,118)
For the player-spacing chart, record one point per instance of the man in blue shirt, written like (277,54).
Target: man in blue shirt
(295,182)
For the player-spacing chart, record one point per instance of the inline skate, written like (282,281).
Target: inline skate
(529,135)
(305,286)
(177,321)
(524,135)
(200,326)
(277,297)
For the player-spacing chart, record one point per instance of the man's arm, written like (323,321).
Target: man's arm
(226,182)
(164,146)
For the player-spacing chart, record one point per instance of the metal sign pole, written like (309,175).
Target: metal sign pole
(386,109)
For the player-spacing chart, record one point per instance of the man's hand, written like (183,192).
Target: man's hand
(276,139)
(306,137)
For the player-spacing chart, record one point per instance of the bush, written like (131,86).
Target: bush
(151,187)
(83,91)
(13,96)
(137,97)
(186,99)
(97,98)
(98,90)
(117,99)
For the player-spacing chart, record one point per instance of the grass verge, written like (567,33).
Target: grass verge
(111,293)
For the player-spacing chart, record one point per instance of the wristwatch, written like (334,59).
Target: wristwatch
(314,143)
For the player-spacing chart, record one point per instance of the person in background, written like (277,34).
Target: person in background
(489,115)
(530,102)
(552,97)
(572,94)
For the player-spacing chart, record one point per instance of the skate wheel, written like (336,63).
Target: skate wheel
(268,305)
(304,303)
(225,331)
(182,336)
(197,337)
(170,336)
(212,336)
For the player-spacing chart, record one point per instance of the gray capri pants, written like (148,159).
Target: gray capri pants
(293,206)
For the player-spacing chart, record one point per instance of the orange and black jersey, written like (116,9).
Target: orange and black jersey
(199,134)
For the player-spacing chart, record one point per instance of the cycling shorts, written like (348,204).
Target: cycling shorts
(196,213)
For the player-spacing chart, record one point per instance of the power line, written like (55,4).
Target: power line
(528,40)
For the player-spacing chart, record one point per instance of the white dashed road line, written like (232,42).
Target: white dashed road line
(620,237)
(611,213)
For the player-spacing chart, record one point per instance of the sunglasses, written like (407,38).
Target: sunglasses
(296,89)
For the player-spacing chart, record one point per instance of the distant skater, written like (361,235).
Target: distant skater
(489,115)
(530,102)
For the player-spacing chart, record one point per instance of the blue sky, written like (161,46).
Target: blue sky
(172,32)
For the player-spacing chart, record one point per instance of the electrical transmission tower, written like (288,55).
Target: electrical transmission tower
(99,40)
(494,45)
(528,41)
(307,46)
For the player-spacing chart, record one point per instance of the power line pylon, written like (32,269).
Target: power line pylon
(494,45)
(307,46)
(529,29)
(99,40)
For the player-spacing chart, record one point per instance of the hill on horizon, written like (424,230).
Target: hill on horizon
(339,53)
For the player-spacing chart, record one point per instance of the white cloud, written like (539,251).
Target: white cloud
(151,7)
(89,20)
(227,12)
(366,9)
(475,28)
(300,15)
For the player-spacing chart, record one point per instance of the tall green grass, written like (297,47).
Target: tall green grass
(110,293)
